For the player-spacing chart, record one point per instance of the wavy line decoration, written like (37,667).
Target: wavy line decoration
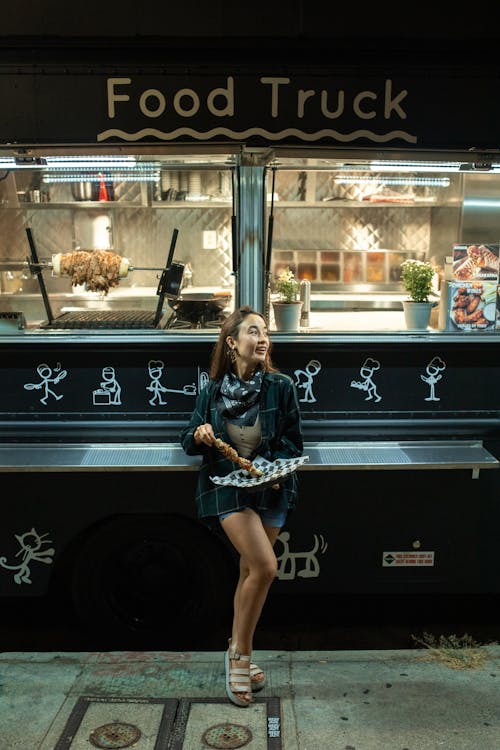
(242,134)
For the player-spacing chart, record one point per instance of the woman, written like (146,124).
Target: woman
(252,406)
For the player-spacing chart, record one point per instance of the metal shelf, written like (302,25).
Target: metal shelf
(327,456)
(343,203)
(113,205)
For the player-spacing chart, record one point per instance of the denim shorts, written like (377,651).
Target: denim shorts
(275,518)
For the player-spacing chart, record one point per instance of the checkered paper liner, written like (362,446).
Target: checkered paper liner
(274,471)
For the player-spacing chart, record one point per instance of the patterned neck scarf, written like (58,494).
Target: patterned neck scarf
(238,400)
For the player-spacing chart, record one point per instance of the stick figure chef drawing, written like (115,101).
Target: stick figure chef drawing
(110,390)
(47,376)
(304,380)
(155,369)
(433,370)
(366,371)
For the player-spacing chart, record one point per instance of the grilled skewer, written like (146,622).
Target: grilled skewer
(55,266)
(230,453)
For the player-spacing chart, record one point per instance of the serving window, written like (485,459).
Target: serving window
(347,225)
(78,205)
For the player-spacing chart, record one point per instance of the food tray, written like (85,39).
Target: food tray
(274,472)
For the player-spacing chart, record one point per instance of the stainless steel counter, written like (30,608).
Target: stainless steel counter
(327,456)
(312,335)
(324,301)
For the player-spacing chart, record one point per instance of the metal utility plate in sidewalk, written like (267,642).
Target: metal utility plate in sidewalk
(171,724)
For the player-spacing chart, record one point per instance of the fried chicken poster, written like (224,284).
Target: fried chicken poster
(472,305)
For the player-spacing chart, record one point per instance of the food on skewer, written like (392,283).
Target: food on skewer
(230,453)
(99,270)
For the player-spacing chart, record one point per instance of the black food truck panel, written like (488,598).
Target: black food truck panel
(368,382)
(90,442)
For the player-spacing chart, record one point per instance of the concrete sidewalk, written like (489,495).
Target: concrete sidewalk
(314,700)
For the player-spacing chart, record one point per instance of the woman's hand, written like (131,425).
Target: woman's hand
(204,434)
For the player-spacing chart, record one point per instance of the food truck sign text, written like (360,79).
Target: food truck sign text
(327,108)
(153,102)
(278,97)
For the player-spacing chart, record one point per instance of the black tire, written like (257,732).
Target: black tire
(152,575)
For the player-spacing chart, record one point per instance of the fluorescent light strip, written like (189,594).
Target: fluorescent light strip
(89,173)
(10,163)
(82,172)
(484,203)
(96,159)
(410,166)
(79,163)
(91,164)
(109,177)
(381,166)
(373,180)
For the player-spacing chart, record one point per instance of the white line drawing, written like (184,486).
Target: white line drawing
(271,135)
(287,561)
(366,371)
(46,374)
(110,391)
(203,379)
(31,548)
(433,370)
(304,379)
(155,369)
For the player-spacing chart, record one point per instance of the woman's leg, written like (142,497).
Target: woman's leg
(272,534)
(254,543)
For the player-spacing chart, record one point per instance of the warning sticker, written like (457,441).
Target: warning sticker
(395,559)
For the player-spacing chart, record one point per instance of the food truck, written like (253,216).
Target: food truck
(139,206)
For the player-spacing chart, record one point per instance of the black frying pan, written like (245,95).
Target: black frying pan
(198,311)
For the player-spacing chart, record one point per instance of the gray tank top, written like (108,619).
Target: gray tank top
(245,439)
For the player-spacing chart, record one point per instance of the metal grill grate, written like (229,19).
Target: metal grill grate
(104,319)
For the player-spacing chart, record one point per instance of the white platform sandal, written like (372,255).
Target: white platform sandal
(255,683)
(254,671)
(237,678)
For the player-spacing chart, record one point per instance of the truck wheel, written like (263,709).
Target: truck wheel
(153,574)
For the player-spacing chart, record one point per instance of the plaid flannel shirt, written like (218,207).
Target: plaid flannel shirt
(281,438)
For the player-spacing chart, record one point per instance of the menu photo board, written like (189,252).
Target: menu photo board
(497,321)
(476,261)
(472,306)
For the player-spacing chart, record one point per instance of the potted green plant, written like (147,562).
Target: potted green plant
(417,277)
(286,305)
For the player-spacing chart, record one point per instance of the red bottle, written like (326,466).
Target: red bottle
(103,192)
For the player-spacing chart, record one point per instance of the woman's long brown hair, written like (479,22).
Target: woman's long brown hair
(221,361)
